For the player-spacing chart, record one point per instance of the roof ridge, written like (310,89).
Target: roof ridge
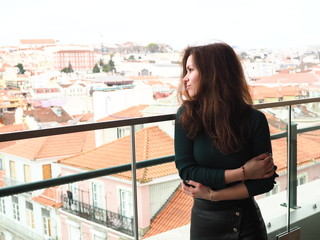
(145,146)
(166,202)
(44,142)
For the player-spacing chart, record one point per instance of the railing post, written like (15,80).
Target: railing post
(292,167)
(134,184)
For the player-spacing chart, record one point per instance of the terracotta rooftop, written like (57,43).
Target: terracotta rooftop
(75,51)
(308,145)
(49,197)
(48,115)
(37,41)
(11,128)
(131,112)
(151,143)
(290,78)
(84,117)
(174,215)
(52,146)
(262,92)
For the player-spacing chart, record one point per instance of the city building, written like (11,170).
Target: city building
(79,60)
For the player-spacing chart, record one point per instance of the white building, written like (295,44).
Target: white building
(79,99)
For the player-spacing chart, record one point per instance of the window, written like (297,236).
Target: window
(72,187)
(126,203)
(95,237)
(29,214)
(2,206)
(13,169)
(302,179)
(46,222)
(74,232)
(15,208)
(97,195)
(123,131)
(46,171)
(98,234)
(27,173)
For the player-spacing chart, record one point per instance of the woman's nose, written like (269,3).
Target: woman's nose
(186,79)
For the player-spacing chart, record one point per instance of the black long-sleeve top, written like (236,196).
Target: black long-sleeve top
(197,159)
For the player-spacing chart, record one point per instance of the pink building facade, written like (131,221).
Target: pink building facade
(80,60)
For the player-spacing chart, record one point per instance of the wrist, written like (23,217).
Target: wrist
(244,173)
(213,196)
(233,175)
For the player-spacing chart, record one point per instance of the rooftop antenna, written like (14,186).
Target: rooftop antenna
(102,47)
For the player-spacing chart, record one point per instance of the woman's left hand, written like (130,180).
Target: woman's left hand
(197,190)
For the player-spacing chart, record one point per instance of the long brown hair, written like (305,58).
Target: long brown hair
(222,102)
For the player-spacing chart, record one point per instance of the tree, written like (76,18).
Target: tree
(96,68)
(68,69)
(21,69)
(106,68)
(153,47)
(111,64)
(101,63)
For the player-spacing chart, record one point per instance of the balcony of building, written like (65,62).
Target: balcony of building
(292,207)
(101,216)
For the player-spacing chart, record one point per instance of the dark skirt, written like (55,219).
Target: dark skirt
(227,220)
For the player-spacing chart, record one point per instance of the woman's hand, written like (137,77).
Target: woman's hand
(259,167)
(198,190)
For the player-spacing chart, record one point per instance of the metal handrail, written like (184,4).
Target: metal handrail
(125,122)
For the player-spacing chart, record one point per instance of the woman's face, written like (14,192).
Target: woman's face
(192,78)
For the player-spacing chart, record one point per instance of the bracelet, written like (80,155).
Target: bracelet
(244,174)
(211,196)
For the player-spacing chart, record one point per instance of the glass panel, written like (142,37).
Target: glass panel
(306,177)
(273,204)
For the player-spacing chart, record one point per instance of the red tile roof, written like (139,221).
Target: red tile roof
(13,128)
(37,41)
(290,78)
(52,146)
(131,112)
(75,51)
(49,197)
(262,92)
(151,143)
(84,117)
(308,145)
(48,115)
(174,215)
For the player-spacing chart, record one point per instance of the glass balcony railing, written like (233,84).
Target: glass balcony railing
(120,192)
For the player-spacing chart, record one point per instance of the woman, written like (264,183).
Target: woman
(222,146)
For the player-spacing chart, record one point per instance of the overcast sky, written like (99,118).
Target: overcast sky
(244,23)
